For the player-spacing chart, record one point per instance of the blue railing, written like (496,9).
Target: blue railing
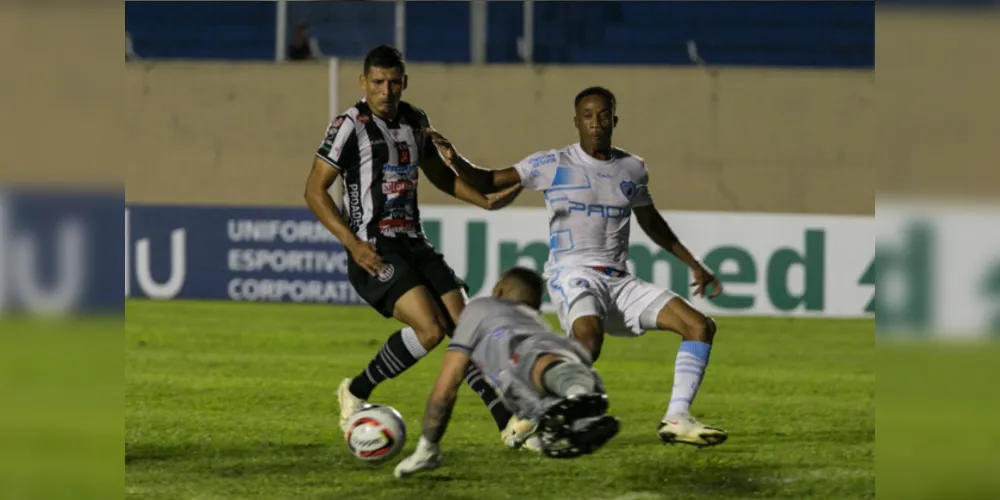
(788,33)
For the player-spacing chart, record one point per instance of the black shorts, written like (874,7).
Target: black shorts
(411,262)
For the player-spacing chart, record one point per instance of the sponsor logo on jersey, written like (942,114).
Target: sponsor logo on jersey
(409,170)
(596,209)
(354,198)
(399,186)
(331,131)
(543,159)
(396,187)
(391,227)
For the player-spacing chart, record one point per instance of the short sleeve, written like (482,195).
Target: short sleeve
(340,146)
(469,325)
(538,170)
(642,197)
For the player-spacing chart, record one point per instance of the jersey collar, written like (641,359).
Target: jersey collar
(590,160)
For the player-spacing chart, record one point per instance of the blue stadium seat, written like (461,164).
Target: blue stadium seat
(438,31)
(505,26)
(202,30)
(789,33)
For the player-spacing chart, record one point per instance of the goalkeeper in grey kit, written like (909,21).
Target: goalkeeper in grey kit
(540,376)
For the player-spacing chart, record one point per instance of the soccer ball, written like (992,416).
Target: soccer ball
(376,434)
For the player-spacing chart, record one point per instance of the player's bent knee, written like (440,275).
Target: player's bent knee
(701,330)
(431,334)
(711,329)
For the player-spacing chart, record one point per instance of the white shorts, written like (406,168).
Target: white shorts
(627,305)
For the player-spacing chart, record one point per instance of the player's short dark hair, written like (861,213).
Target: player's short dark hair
(529,282)
(384,56)
(601,91)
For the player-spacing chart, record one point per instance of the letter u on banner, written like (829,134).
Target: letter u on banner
(178,268)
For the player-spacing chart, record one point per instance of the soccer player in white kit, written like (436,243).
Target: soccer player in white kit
(591,191)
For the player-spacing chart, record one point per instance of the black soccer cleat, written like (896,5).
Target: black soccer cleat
(558,420)
(585,441)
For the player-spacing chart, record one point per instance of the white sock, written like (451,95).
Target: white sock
(412,343)
(577,389)
(689,369)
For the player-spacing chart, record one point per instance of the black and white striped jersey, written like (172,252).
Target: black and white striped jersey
(378,161)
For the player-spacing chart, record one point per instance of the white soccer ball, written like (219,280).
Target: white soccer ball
(376,434)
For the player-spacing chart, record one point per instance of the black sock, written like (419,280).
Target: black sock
(474,377)
(393,359)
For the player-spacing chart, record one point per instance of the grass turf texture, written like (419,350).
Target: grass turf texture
(236,400)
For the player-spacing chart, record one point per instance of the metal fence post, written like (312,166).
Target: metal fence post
(478,13)
(400,27)
(528,32)
(280,30)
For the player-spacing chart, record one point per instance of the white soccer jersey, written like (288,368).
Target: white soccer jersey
(590,204)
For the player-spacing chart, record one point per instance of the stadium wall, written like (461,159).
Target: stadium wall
(745,140)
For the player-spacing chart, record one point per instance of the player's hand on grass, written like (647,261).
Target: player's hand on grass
(426,457)
(367,257)
(703,278)
(443,145)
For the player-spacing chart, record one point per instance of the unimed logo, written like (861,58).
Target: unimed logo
(142,270)
(794,277)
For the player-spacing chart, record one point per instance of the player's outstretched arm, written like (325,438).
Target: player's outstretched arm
(442,400)
(656,227)
(318,199)
(436,417)
(484,180)
(445,179)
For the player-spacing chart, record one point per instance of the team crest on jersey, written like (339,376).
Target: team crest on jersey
(363,119)
(403,149)
(629,189)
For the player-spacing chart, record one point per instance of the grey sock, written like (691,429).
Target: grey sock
(569,378)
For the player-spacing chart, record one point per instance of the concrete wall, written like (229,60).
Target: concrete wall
(939,111)
(736,139)
(60,111)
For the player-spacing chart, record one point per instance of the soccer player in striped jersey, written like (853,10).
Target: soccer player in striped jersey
(592,189)
(378,146)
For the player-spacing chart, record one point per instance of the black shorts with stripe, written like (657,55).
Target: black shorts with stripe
(410,262)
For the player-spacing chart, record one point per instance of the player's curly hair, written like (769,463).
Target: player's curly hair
(384,56)
(601,91)
(530,284)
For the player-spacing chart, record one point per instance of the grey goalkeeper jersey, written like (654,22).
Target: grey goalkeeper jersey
(504,339)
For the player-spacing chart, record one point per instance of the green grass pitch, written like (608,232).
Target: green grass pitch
(236,400)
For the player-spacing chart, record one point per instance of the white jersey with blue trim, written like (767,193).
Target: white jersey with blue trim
(590,203)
